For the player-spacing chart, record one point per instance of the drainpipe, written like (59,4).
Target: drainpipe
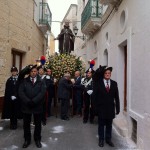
(42,10)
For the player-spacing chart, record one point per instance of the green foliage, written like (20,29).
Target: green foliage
(63,63)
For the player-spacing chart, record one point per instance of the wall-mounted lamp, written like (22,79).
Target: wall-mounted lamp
(75,30)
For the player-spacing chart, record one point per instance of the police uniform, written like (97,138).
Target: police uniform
(11,101)
(88,100)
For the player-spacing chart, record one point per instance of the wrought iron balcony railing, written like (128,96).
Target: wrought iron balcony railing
(45,17)
(93,9)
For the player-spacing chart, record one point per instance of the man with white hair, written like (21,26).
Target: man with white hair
(64,87)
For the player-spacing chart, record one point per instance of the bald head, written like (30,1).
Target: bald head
(77,74)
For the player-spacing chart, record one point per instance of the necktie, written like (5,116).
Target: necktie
(107,86)
(32,80)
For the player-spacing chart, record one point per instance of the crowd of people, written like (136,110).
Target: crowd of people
(29,95)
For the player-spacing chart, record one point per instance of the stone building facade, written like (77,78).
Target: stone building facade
(22,39)
(119,37)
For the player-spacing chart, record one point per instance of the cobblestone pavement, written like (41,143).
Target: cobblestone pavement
(60,135)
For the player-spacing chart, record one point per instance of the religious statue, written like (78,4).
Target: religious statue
(66,40)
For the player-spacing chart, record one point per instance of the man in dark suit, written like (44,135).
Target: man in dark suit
(64,88)
(107,104)
(31,93)
(77,95)
(50,91)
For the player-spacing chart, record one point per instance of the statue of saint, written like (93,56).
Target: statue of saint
(66,40)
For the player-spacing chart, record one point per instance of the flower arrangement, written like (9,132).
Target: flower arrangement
(63,63)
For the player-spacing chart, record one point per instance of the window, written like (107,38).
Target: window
(16,59)
(105,58)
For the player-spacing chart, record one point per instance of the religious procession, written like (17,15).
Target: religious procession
(33,90)
(73,74)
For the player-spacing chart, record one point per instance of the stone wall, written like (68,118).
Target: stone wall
(18,31)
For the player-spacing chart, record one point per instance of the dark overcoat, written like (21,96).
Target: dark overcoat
(35,93)
(64,89)
(11,106)
(106,104)
(77,89)
(50,86)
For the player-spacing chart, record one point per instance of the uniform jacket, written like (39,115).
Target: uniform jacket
(106,104)
(10,105)
(35,93)
(87,84)
(64,88)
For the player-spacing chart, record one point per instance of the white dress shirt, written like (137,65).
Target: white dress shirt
(106,81)
(34,79)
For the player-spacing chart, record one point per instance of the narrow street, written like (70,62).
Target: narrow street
(60,135)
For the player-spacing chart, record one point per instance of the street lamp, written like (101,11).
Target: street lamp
(75,30)
(38,62)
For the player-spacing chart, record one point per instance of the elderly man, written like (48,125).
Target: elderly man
(106,101)
(31,93)
(64,90)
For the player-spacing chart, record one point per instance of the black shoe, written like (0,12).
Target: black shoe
(101,143)
(65,118)
(43,123)
(110,143)
(84,121)
(26,144)
(91,121)
(38,144)
(62,118)
(13,127)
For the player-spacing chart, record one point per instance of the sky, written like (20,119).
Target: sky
(59,9)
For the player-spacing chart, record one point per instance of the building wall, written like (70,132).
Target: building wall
(71,15)
(52,44)
(133,32)
(18,31)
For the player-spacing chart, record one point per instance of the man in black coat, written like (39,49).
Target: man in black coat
(50,90)
(107,104)
(11,107)
(77,95)
(31,93)
(64,90)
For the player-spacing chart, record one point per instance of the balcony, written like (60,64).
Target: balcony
(45,18)
(91,17)
(110,2)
